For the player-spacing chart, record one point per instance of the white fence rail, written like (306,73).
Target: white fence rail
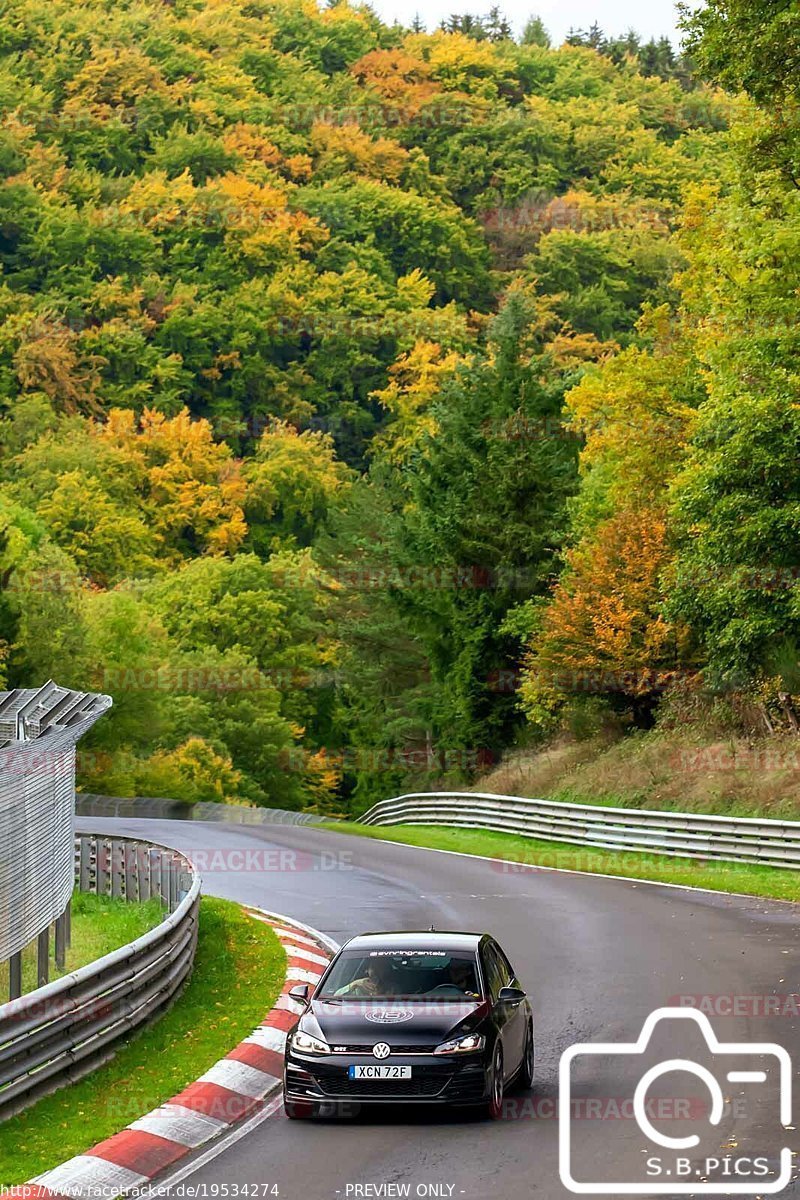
(684,835)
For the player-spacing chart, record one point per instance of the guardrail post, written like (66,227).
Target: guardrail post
(154,871)
(15,976)
(102,866)
(131,880)
(165,874)
(143,871)
(117,851)
(43,957)
(173,883)
(84,879)
(68,923)
(61,941)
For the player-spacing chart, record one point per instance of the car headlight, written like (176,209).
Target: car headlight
(307,1044)
(468,1044)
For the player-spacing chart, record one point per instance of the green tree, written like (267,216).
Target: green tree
(478,515)
(737,503)
(754,45)
(293,483)
(535,33)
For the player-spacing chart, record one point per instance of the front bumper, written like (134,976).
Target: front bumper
(435,1079)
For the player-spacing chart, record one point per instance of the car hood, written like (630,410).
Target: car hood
(414,1023)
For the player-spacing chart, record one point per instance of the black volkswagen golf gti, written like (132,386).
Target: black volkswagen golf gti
(410,1017)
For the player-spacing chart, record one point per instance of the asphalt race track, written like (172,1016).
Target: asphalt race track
(597,956)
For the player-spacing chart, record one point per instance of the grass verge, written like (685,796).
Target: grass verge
(684,769)
(238,973)
(99,925)
(659,868)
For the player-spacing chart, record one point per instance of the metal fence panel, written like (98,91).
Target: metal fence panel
(38,732)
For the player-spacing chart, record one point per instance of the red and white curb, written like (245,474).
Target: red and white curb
(233,1089)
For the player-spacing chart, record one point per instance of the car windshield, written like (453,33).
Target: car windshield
(407,974)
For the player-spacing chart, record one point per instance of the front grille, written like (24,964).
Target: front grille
(366,1048)
(334,1081)
(385,1088)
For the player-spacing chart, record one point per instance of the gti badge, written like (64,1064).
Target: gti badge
(388,1016)
(381,1050)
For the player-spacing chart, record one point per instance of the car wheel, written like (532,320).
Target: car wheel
(526,1070)
(496,1084)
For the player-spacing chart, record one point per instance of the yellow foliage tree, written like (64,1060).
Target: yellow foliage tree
(113,79)
(638,409)
(399,78)
(194,490)
(192,771)
(603,631)
(48,360)
(292,482)
(346,147)
(414,382)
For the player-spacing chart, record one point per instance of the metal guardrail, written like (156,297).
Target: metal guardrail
(683,835)
(62,1031)
(87,804)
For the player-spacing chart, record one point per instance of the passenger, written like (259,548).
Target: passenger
(376,982)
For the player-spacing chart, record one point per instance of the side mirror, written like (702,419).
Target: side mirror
(300,992)
(510,995)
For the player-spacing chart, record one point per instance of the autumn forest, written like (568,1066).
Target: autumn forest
(374,400)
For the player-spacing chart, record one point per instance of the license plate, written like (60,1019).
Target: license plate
(384,1071)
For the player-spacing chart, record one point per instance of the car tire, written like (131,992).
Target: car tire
(525,1078)
(496,1084)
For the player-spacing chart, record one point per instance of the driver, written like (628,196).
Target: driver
(462,976)
(376,982)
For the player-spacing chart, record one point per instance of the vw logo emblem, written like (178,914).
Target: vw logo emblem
(381,1050)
